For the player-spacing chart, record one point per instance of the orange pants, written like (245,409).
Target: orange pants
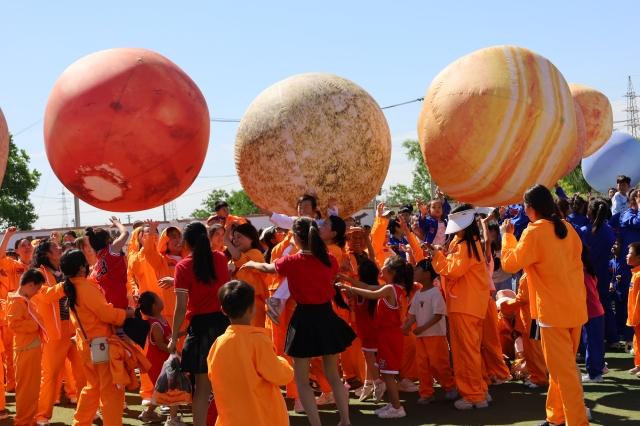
(54,355)
(2,393)
(636,345)
(494,365)
(27,364)
(409,367)
(67,379)
(352,361)
(260,315)
(466,339)
(7,341)
(432,354)
(565,400)
(99,391)
(279,336)
(535,361)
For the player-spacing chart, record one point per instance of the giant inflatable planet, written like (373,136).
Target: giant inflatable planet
(494,123)
(126,129)
(618,156)
(581,140)
(313,133)
(598,116)
(4,145)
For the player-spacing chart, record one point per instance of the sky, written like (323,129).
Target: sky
(234,50)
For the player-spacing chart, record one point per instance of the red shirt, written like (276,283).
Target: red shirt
(594,307)
(310,280)
(388,316)
(110,272)
(203,298)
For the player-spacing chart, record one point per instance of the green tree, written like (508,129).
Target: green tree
(239,203)
(19,181)
(420,188)
(574,182)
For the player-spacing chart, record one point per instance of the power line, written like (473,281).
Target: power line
(404,103)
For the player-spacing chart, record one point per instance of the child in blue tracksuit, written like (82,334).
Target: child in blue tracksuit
(434,224)
(519,219)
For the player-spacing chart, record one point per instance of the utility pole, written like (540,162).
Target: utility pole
(65,213)
(633,116)
(76,209)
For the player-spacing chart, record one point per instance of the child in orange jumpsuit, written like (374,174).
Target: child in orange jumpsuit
(633,303)
(467,296)
(428,311)
(244,370)
(28,335)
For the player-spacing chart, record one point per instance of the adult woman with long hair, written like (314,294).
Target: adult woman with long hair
(198,277)
(94,320)
(550,252)
(314,330)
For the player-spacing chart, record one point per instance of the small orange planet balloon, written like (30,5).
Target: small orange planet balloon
(313,133)
(598,116)
(4,145)
(496,122)
(126,129)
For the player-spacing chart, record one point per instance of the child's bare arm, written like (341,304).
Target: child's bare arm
(157,337)
(434,320)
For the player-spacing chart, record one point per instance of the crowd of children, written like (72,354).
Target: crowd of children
(466,298)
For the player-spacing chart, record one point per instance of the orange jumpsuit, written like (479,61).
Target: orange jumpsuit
(10,273)
(246,376)
(556,287)
(97,317)
(492,357)
(633,313)
(28,334)
(378,238)
(466,296)
(56,349)
(257,280)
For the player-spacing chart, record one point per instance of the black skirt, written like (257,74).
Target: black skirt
(203,330)
(316,330)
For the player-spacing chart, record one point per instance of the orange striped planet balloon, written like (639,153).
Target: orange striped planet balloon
(598,116)
(494,123)
(581,141)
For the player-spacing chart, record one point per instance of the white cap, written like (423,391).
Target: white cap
(460,220)
(264,232)
(485,210)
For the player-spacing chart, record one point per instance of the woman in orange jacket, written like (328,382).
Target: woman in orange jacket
(467,289)
(59,345)
(93,318)
(549,251)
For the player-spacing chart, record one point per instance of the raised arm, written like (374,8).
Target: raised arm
(228,241)
(269,268)
(119,243)
(10,232)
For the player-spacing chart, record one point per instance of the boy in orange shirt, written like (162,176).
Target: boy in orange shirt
(26,325)
(633,303)
(244,371)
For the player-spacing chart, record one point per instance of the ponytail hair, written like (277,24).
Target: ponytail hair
(195,235)
(338,226)
(402,272)
(307,231)
(539,198)
(99,238)
(70,264)
(598,213)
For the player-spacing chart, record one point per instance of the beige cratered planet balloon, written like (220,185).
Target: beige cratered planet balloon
(598,116)
(4,145)
(313,133)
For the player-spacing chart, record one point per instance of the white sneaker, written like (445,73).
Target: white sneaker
(146,402)
(488,397)
(528,383)
(366,392)
(406,385)
(426,401)
(297,407)
(73,400)
(176,421)
(605,370)
(451,395)
(463,404)
(587,379)
(325,399)
(382,409)
(42,423)
(379,388)
(588,413)
(393,413)
(634,370)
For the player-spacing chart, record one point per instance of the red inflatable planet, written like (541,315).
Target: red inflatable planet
(4,145)
(126,129)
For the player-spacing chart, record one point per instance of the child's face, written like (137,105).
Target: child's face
(615,250)
(435,209)
(420,275)
(175,242)
(633,258)
(30,289)
(623,187)
(241,241)
(386,274)
(325,231)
